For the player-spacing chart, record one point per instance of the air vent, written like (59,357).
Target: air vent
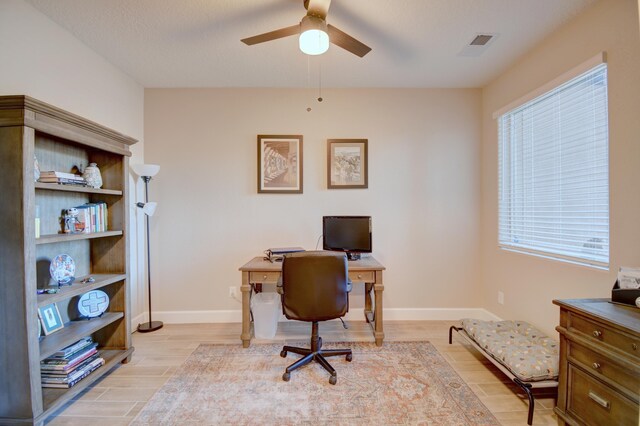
(481,40)
(479,44)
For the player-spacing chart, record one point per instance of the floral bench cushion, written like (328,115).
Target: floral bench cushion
(528,353)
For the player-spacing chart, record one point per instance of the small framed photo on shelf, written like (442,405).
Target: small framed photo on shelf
(347,164)
(280,164)
(50,318)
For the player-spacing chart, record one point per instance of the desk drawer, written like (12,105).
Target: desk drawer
(606,335)
(605,366)
(362,276)
(596,404)
(264,277)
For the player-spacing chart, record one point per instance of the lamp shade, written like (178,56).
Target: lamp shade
(145,169)
(314,39)
(148,208)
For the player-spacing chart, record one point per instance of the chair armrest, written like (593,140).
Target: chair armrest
(279,287)
(349,286)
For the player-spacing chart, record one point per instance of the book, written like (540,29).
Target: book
(54,174)
(66,364)
(73,348)
(69,181)
(74,379)
(66,373)
(84,219)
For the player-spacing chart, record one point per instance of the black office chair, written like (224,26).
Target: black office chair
(314,288)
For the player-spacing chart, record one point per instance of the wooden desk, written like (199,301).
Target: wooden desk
(259,271)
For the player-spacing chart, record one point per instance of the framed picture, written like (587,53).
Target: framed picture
(280,164)
(50,318)
(347,164)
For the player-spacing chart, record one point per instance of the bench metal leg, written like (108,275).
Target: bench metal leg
(453,327)
(526,387)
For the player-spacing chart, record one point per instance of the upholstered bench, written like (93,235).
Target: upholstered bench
(526,355)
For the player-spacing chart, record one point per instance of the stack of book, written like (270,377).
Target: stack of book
(93,217)
(69,365)
(62,177)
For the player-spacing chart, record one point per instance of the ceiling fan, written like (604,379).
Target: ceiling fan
(315,33)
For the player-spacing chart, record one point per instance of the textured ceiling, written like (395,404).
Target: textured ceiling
(416,43)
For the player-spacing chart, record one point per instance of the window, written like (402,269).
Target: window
(554,172)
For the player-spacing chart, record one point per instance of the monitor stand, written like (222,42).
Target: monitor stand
(353,256)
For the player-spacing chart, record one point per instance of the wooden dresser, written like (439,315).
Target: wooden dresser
(599,379)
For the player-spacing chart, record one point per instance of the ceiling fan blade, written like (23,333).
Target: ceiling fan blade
(344,40)
(318,8)
(272,35)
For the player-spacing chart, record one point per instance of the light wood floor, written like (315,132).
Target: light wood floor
(117,398)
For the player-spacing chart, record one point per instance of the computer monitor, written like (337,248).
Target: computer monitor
(350,234)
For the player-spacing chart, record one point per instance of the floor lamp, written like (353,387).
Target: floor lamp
(146,172)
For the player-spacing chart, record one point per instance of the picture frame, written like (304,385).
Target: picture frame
(50,318)
(280,164)
(347,164)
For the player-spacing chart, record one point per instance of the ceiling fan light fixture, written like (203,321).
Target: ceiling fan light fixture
(314,39)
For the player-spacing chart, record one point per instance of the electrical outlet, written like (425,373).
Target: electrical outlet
(232,292)
(501,298)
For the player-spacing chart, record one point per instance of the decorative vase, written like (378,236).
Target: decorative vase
(92,175)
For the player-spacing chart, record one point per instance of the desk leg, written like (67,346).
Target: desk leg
(378,288)
(246,320)
(368,309)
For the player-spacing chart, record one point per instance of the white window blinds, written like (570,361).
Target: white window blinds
(554,173)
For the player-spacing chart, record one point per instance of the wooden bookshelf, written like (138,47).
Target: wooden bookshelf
(59,140)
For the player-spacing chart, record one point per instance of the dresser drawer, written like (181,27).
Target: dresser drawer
(264,277)
(594,403)
(609,336)
(627,379)
(362,276)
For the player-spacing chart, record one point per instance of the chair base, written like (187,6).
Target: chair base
(316,353)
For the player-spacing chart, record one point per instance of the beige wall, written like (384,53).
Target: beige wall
(423,190)
(529,283)
(43,60)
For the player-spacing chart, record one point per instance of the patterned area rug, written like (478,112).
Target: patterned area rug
(396,384)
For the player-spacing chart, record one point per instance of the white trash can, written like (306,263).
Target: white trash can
(266,311)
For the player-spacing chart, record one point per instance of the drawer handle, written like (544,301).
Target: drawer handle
(596,365)
(599,400)
(597,333)
(359,275)
(264,277)
(634,346)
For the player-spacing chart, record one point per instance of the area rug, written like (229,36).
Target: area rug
(400,383)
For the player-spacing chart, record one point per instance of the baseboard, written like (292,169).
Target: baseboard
(397,314)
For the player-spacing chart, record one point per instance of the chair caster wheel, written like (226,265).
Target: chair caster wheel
(349,357)
(283,354)
(286,377)
(333,380)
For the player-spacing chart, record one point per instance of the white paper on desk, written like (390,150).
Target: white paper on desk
(628,277)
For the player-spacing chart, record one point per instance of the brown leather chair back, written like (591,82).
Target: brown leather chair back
(314,286)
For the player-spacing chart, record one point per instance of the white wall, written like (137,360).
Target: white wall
(423,191)
(529,283)
(44,61)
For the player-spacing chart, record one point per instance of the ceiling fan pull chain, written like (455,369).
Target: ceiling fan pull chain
(319,80)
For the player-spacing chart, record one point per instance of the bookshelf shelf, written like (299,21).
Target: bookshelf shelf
(54,398)
(78,288)
(79,189)
(58,238)
(59,141)
(74,331)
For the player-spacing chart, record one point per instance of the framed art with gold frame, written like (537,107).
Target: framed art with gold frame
(347,164)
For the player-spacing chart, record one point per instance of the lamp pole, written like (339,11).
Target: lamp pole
(151,325)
